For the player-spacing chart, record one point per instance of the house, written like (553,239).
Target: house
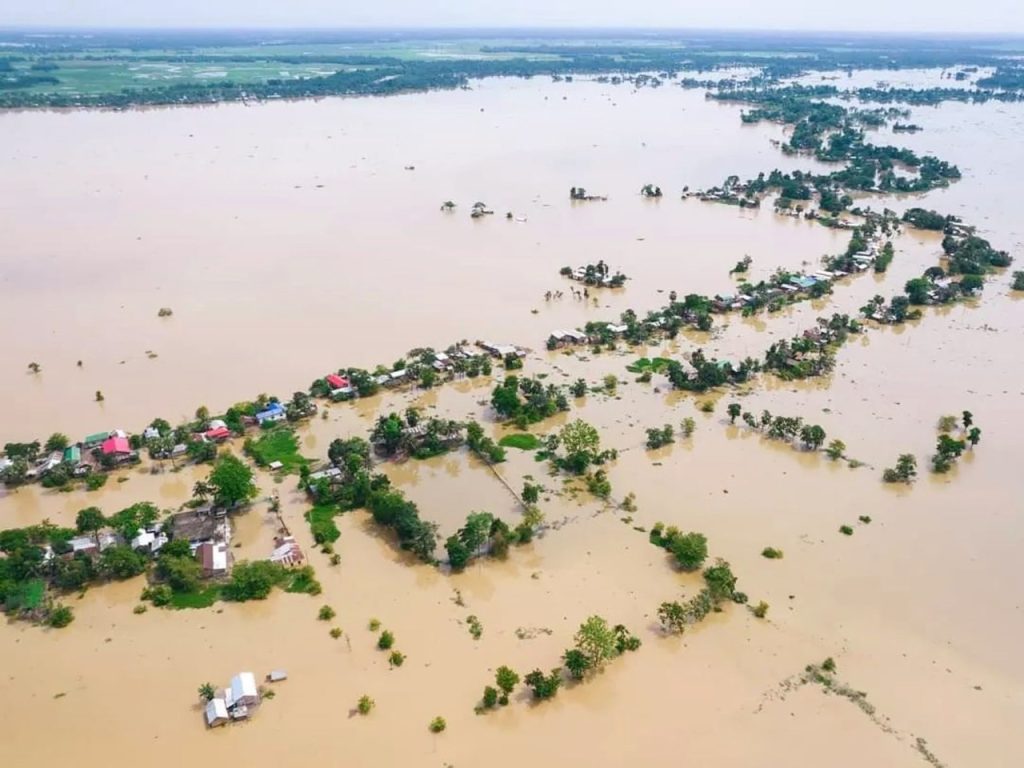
(149,540)
(242,691)
(88,544)
(273,412)
(217,434)
(179,450)
(334,381)
(93,441)
(216,713)
(618,330)
(117,446)
(803,282)
(150,433)
(399,375)
(287,551)
(213,557)
(196,526)
(330,474)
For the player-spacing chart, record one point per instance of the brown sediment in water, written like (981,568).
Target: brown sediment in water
(918,608)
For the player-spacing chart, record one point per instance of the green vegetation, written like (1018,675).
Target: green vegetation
(656,438)
(438,724)
(365,705)
(523,441)
(232,481)
(719,586)
(483,446)
(386,640)
(652,365)
(846,530)
(527,400)
(544,686)
(689,549)
(771,553)
(322,525)
(904,471)
(396,659)
(326,613)
(276,444)
(476,629)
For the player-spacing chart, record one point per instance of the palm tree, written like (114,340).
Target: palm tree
(202,490)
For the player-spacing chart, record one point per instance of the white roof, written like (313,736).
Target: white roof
(217,424)
(243,686)
(399,374)
(325,473)
(150,432)
(441,356)
(216,710)
(618,328)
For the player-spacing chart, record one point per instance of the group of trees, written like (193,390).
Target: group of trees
(486,535)
(719,586)
(705,374)
(527,400)
(483,445)
(948,448)
(904,471)
(812,436)
(393,435)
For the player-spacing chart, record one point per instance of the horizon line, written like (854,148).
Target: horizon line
(364,28)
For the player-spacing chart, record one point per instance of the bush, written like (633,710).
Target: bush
(160,595)
(689,549)
(374,625)
(438,724)
(140,608)
(60,616)
(760,610)
(326,613)
(365,705)
(336,632)
(490,697)
(771,553)
(386,640)
(95,481)
(544,686)
(846,530)
(396,659)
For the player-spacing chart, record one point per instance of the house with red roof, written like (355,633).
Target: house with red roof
(116,446)
(217,434)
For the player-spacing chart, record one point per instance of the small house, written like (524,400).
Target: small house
(149,540)
(334,381)
(273,412)
(287,551)
(618,330)
(150,433)
(117,447)
(216,713)
(217,434)
(242,691)
(213,557)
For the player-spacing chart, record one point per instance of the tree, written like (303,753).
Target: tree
(544,686)
(507,679)
(596,641)
(973,436)
(181,572)
(490,699)
(812,436)
(232,480)
(576,662)
(531,493)
(57,442)
(207,692)
(90,520)
(202,490)
(253,580)
(121,562)
(917,290)
(968,419)
(969,284)
(581,442)
(690,550)
(458,553)
(904,471)
(720,580)
(835,449)
(734,411)
(365,705)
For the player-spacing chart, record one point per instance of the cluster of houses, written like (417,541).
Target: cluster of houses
(238,700)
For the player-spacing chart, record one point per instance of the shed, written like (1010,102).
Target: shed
(91,441)
(72,454)
(216,713)
(213,556)
(150,433)
(277,675)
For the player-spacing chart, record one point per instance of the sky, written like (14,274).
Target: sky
(1005,17)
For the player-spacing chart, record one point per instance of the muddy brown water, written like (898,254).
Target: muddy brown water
(274,281)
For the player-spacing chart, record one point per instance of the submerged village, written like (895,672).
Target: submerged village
(531,415)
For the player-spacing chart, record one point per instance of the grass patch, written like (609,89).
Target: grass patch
(524,441)
(26,596)
(201,598)
(277,444)
(648,364)
(321,523)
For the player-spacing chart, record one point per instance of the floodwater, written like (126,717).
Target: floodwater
(216,213)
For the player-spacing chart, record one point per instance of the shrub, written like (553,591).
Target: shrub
(140,608)
(336,632)
(60,617)
(374,625)
(544,686)
(386,640)
(829,664)
(396,659)
(438,724)
(771,553)
(865,519)
(507,679)
(947,423)
(846,530)
(326,613)
(95,481)
(490,697)
(706,406)
(687,426)
(365,705)
(760,610)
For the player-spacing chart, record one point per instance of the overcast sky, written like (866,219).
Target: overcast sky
(979,16)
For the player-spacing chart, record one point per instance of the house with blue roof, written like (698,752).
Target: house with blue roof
(273,412)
